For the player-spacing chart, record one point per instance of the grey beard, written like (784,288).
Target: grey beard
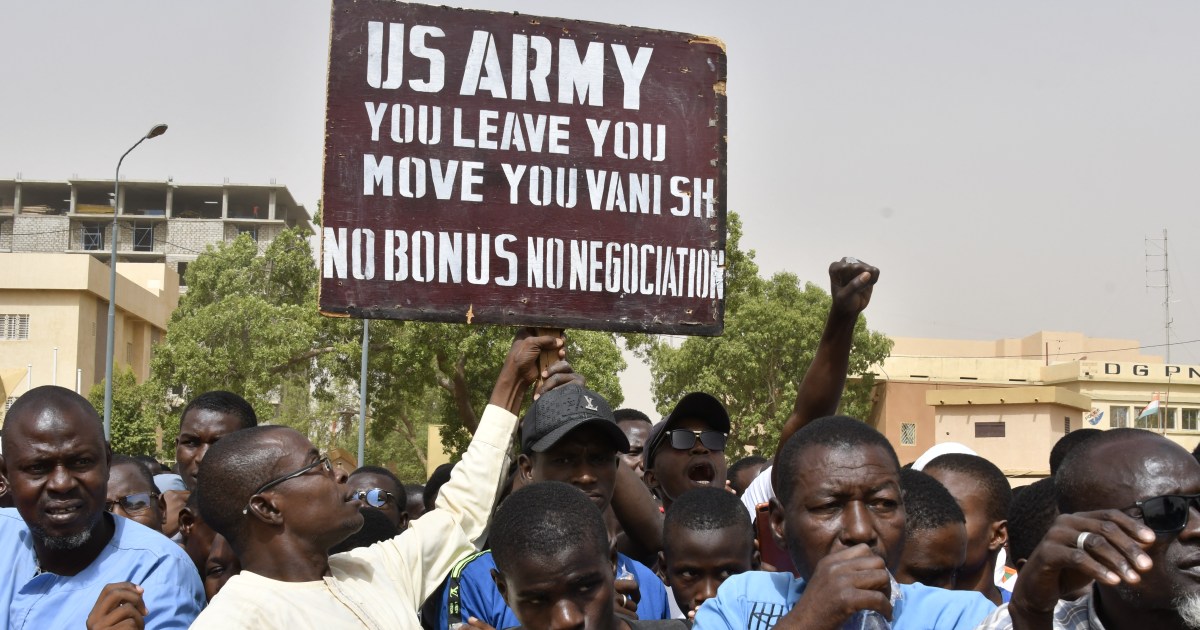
(66,543)
(1188,607)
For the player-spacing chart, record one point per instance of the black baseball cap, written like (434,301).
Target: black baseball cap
(561,411)
(694,405)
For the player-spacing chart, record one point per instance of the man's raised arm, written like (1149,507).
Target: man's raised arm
(851,282)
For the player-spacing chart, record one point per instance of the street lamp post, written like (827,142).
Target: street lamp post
(155,131)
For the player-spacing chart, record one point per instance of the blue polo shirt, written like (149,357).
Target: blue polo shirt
(173,594)
(757,600)
(481,599)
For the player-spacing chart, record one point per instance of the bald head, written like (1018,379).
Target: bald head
(236,466)
(1109,470)
(50,403)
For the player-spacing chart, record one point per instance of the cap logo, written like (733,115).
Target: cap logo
(590,406)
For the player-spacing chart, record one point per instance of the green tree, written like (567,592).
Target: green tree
(772,328)
(423,373)
(137,415)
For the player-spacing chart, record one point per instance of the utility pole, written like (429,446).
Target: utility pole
(1155,249)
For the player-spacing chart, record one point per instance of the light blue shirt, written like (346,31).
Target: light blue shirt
(757,600)
(173,594)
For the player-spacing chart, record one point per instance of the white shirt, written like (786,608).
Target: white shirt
(382,586)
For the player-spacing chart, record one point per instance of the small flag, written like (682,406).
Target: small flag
(1150,409)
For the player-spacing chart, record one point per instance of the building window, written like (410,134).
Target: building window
(1170,419)
(1118,417)
(182,269)
(1066,425)
(8,403)
(1190,417)
(989,429)
(14,327)
(251,230)
(93,237)
(908,433)
(143,237)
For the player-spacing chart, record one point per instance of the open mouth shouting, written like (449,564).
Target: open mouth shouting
(701,473)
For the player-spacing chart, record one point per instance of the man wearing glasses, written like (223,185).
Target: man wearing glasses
(687,449)
(276,500)
(132,493)
(66,560)
(379,489)
(1128,522)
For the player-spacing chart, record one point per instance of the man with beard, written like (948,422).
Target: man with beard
(66,560)
(838,512)
(1126,499)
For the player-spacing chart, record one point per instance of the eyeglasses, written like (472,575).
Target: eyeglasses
(324,461)
(685,439)
(135,503)
(375,497)
(1168,513)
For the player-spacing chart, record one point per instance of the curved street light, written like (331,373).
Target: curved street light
(155,131)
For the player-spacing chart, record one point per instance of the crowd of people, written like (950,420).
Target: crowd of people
(576,515)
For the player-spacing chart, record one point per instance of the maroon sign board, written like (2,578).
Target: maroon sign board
(498,168)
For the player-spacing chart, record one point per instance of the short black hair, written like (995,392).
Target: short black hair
(997,491)
(399,490)
(223,402)
(830,431)
(1074,481)
(927,503)
(138,465)
(437,479)
(377,527)
(705,509)
(631,415)
(748,461)
(1030,517)
(234,467)
(542,519)
(45,396)
(1067,443)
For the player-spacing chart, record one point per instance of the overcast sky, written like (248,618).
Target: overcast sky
(1002,163)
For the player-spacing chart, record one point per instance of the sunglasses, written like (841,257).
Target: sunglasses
(375,497)
(324,462)
(135,503)
(685,439)
(1168,513)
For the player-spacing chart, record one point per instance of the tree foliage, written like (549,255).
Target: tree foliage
(772,328)
(137,415)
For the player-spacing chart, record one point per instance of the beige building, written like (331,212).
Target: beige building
(1011,399)
(157,221)
(54,318)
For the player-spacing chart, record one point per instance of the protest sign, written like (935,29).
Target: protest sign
(486,167)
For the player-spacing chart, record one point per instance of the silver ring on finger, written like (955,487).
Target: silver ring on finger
(1081,540)
(624,600)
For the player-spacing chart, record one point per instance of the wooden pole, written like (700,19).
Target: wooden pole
(549,357)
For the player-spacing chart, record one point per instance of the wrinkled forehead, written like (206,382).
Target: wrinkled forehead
(53,425)
(843,470)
